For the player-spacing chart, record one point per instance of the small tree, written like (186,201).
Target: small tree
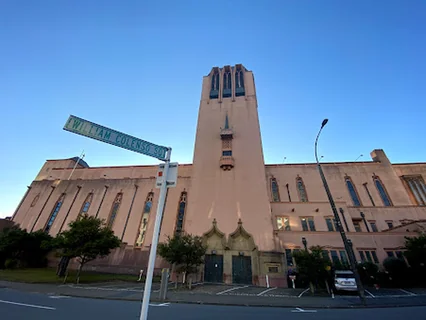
(23,249)
(368,272)
(416,251)
(184,251)
(312,265)
(87,239)
(397,269)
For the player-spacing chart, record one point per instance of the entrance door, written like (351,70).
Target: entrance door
(213,268)
(241,270)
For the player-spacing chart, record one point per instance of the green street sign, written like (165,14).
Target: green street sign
(116,138)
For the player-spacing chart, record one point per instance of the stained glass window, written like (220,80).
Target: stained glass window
(301,189)
(352,192)
(275,190)
(239,82)
(214,91)
(114,210)
(86,204)
(382,191)
(181,213)
(145,217)
(54,213)
(227,83)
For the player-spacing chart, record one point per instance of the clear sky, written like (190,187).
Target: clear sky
(137,66)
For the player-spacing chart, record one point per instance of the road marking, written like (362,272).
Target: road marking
(302,310)
(167,304)
(302,293)
(59,297)
(229,290)
(27,305)
(372,295)
(407,292)
(267,290)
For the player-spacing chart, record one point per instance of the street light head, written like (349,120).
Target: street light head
(324,122)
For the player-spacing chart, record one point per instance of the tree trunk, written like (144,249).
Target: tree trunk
(189,282)
(80,267)
(311,285)
(327,286)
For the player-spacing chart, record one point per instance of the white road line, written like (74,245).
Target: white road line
(267,290)
(302,293)
(302,310)
(27,305)
(408,292)
(159,304)
(229,290)
(372,295)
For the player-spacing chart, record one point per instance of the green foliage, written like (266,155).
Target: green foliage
(28,249)
(416,251)
(368,272)
(312,265)
(397,269)
(185,251)
(11,263)
(87,239)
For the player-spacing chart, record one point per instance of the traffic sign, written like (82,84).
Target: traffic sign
(171,175)
(95,131)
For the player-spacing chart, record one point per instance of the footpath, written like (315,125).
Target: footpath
(206,295)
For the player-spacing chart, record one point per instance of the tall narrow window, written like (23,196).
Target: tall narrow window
(382,191)
(239,82)
(417,188)
(289,257)
(301,189)
(352,192)
(275,191)
(214,90)
(373,226)
(86,204)
(357,225)
(54,213)
(144,220)
(114,210)
(181,212)
(308,223)
(331,224)
(334,256)
(227,82)
(389,223)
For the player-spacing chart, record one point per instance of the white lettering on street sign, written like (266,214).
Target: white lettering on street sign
(116,138)
(171,177)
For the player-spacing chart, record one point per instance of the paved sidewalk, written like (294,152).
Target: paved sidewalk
(133,292)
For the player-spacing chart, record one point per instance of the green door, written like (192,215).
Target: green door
(241,270)
(213,268)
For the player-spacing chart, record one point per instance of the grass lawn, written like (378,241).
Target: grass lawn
(48,275)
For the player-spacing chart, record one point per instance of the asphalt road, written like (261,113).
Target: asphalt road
(22,305)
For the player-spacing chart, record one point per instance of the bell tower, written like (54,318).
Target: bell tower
(228,181)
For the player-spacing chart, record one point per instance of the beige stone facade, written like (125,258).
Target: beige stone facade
(252,216)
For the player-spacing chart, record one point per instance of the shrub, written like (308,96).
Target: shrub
(11,263)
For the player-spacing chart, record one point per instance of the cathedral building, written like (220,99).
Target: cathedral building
(253,216)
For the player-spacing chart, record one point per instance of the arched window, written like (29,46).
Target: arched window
(144,220)
(214,90)
(86,204)
(227,83)
(352,192)
(54,212)
(114,210)
(303,196)
(275,190)
(382,191)
(181,212)
(239,82)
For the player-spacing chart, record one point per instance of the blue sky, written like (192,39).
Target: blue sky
(137,66)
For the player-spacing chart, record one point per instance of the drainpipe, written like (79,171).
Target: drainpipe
(103,197)
(365,221)
(44,205)
(130,210)
(344,219)
(72,203)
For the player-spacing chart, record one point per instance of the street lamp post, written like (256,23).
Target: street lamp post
(305,243)
(346,242)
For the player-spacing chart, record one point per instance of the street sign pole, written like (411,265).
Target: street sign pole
(155,236)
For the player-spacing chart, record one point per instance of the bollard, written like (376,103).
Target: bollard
(164,284)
